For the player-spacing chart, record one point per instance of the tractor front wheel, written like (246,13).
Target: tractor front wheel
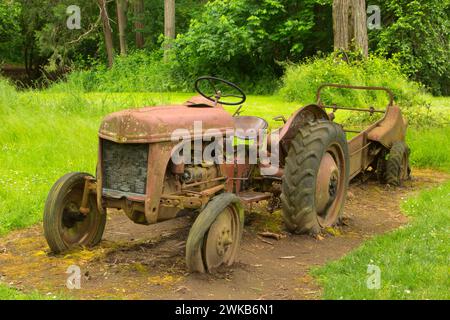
(216,234)
(65,227)
(315,178)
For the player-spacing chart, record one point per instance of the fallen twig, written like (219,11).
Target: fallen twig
(265,241)
(272,235)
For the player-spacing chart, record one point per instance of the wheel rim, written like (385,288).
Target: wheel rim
(330,186)
(75,228)
(222,239)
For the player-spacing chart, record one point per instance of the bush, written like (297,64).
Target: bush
(301,81)
(137,72)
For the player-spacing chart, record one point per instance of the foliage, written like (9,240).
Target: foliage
(246,41)
(61,45)
(243,40)
(9,28)
(153,20)
(416,35)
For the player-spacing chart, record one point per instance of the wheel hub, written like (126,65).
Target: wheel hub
(220,240)
(224,241)
(72,215)
(326,184)
(332,187)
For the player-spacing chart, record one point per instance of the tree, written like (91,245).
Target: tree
(350,25)
(361,42)
(341,24)
(122,23)
(245,40)
(139,22)
(169,24)
(107,32)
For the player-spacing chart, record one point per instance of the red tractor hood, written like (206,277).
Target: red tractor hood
(156,124)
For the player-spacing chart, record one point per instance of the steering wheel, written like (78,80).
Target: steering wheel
(219,86)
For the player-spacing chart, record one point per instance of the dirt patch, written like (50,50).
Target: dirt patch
(147,262)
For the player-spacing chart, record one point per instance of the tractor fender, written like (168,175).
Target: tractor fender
(300,118)
(202,224)
(390,129)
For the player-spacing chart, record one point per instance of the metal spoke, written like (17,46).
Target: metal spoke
(213,85)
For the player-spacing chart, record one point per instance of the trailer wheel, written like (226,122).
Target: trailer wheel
(216,234)
(315,178)
(397,167)
(64,226)
(381,166)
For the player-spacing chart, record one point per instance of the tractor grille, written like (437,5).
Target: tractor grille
(124,167)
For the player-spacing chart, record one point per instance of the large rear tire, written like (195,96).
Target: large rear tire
(315,178)
(64,226)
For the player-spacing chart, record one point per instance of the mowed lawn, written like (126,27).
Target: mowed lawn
(44,135)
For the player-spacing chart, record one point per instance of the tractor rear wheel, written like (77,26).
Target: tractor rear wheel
(397,167)
(216,234)
(65,227)
(315,178)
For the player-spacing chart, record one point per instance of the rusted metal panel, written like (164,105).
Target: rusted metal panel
(248,197)
(158,159)
(390,129)
(344,86)
(355,147)
(299,119)
(156,124)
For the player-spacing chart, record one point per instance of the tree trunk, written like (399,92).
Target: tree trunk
(350,25)
(360,26)
(340,24)
(122,23)
(107,32)
(169,24)
(139,22)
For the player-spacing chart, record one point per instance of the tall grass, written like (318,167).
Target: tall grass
(430,148)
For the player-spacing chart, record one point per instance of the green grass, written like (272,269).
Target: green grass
(7,293)
(430,148)
(414,260)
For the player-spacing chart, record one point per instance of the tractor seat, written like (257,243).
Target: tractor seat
(247,127)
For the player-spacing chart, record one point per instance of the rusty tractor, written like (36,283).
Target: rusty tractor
(137,172)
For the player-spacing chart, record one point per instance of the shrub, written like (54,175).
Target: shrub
(137,72)
(301,81)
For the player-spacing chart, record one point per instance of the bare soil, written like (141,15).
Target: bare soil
(147,262)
